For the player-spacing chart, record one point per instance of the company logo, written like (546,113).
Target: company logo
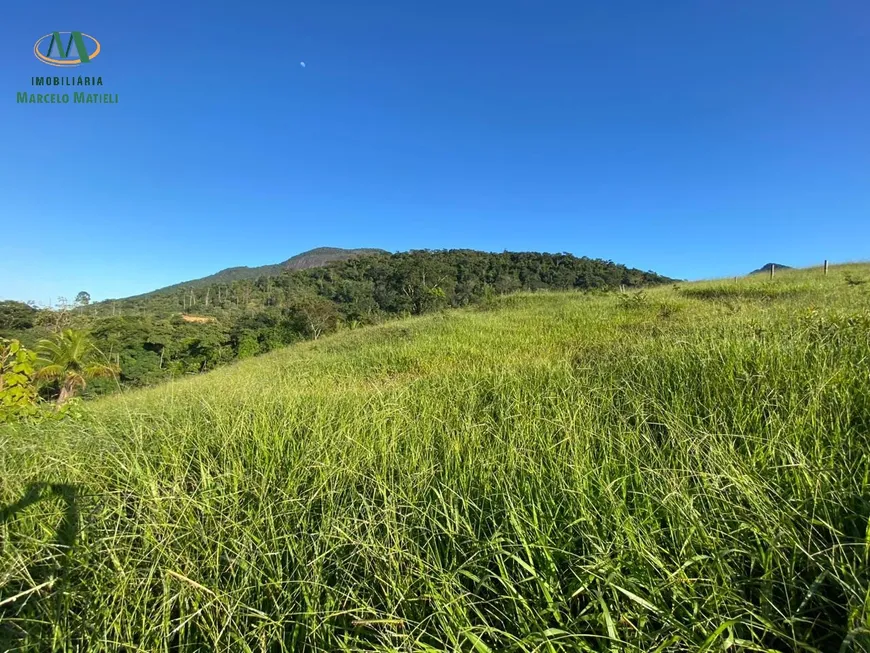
(66,49)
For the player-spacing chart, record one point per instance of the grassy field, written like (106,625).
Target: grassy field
(686,469)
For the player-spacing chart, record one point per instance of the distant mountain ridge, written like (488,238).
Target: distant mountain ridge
(374,282)
(313,258)
(766,268)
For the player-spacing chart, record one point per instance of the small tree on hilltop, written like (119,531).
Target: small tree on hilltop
(83,298)
(313,316)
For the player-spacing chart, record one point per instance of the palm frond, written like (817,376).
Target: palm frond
(97,371)
(72,358)
(49,372)
(73,380)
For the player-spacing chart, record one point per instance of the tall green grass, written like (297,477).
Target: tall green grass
(680,470)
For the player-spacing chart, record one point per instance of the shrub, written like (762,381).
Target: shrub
(18,396)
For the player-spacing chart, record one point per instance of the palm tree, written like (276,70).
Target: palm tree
(70,358)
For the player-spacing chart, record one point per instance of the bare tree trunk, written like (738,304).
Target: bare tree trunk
(66,391)
(314,330)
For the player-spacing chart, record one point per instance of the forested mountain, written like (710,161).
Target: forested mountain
(768,266)
(383,282)
(185,329)
(311,259)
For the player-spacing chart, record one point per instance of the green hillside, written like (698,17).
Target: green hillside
(683,468)
(313,258)
(189,330)
(370,278)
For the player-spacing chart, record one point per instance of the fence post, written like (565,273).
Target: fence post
(826,267)
(772,270)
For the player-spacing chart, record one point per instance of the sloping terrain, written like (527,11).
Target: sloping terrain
(313,258)
(679,469)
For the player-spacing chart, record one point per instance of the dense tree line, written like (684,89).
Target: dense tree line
(154,336)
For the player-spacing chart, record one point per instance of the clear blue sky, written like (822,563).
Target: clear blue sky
(696,138)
